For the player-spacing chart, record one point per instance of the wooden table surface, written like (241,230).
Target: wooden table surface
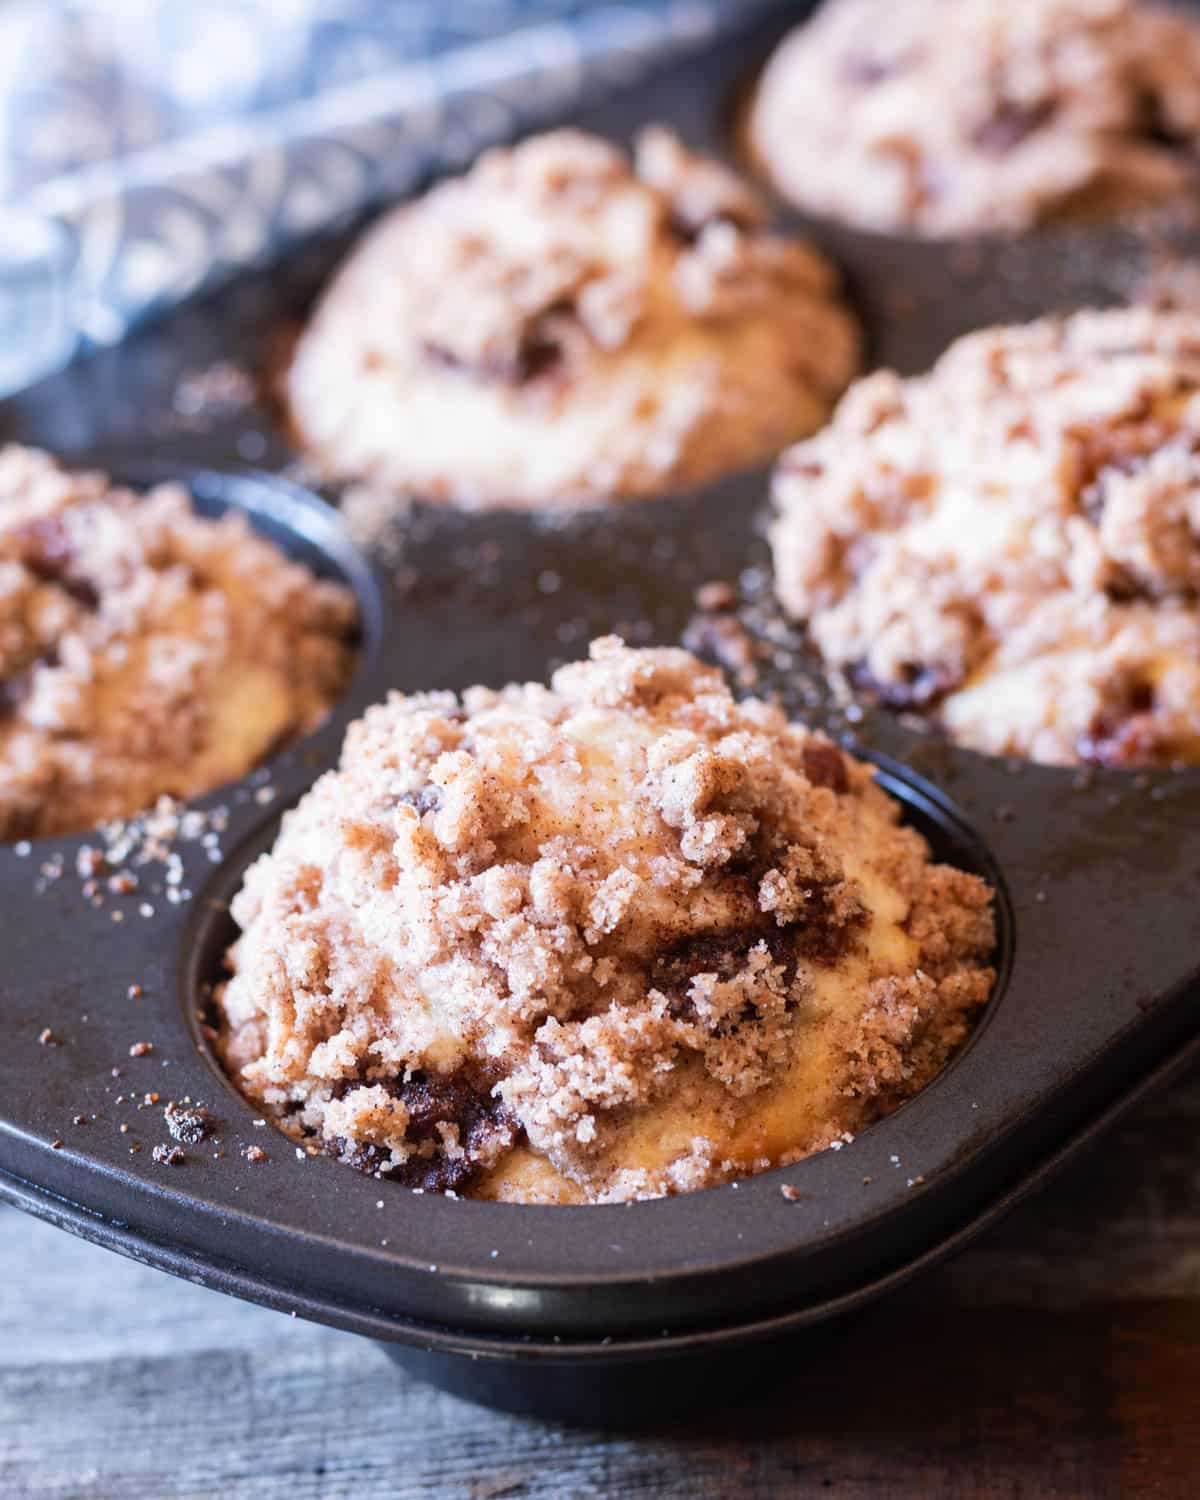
(1058,1357)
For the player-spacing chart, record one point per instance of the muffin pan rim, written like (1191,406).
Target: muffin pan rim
(370,1321)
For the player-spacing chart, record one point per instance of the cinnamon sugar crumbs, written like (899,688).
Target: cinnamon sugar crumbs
(1010,545)
(145,651)
(608,939)
(602,327)
(983,115)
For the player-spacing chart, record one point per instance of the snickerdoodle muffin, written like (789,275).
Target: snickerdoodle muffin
(562,325)
(938,118)
(145,651)
(610,939)
(1012,543)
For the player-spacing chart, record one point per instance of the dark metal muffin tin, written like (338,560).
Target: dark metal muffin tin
(597,1313)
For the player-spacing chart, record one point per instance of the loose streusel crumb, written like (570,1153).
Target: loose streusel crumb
(145,650)
(1012,543)
(561,326)
(982,115)
(611,939)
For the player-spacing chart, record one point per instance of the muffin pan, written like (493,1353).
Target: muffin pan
(602,1314)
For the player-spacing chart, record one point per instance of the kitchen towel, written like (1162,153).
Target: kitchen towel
(149,149)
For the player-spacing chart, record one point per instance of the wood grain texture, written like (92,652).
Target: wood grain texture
(1058,1357)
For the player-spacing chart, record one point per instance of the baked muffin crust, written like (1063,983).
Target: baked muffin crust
(981,115)
(610,939)
(562,325)
(145,651)
(1012,543)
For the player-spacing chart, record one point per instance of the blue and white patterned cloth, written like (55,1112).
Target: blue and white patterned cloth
(178,141)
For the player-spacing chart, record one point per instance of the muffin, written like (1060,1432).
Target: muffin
(1011,543)
(145,651)
(611,939)
(562,325)
(981,115)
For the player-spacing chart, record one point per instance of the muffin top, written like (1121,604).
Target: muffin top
(145,651)
(981,115)
(1012,543)
(613,938)
(563,324)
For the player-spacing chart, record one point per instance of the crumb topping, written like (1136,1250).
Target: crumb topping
(1013,541)
(144,650)
(599,327)
(983,114)
(613,938)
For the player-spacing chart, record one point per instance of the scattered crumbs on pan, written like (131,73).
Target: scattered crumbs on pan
(188,1123)
(141,1049)
(48,1038)
(56,1144)
(169,1156)
(718,633)
(791,1193)
(216,391)
(377,521)
(254,1154)
(716,595)
(138,864)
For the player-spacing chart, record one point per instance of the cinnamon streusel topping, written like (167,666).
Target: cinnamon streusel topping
(610,939)
(560,325)
(1012,542)
(145,651)
(979,115)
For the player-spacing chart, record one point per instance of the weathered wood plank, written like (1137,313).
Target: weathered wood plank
(995,1402)
(67,1301)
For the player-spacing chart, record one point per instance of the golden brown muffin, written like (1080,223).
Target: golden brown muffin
(1012,543)
(939,118)
(144,650)
(563,325)
(611,939)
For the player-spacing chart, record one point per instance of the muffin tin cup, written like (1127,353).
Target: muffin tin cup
(588,1313)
